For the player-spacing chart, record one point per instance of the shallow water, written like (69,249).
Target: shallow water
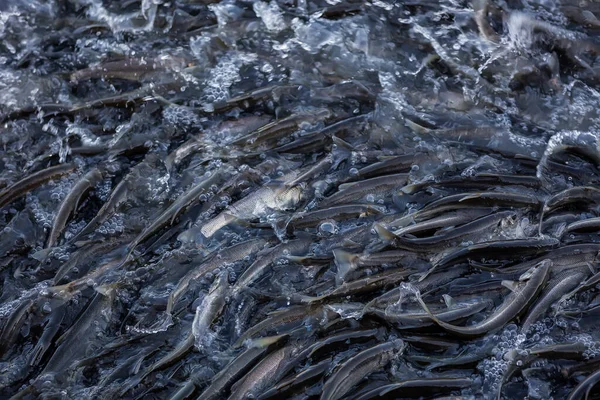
(183,181)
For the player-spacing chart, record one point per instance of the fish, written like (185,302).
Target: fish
(415,388)
(210,308)
(340,339)
(571,195)
(359,286)
(513,305)
(225,256)
(356,191)
(347,262)
(586,225)
(30,182)
(412,320)
(313,218)
(557,287)
(499,249)
(264,260)
(464,359)
(583,389)
(239,366)
(178,352)
(480,8)
(393,165)
(168,216)
(70,346)
(446,220)
(264,372)
(297,382)
(130,69)
(86,253)
(13,323)
(45,341)
(70,203)
(275,129)
(353,370)
(287,320)
(481,180)
(438,241)
(273,197)
(117,197)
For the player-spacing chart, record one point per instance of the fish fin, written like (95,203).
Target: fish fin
(591,267)
(426,308)
(544,209)
(510,285)
(106,290)
(306,299)
(409,189)
(297,259)
(590,18)
(43,254)
(175,215)
(265,341)
(483,267)
(346,186)
(448,300)
(346,262)
(470,197)
(416,127)
(350,243)
(384,233)
(341,152)
(342,144)
(426,274)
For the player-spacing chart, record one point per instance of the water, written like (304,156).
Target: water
(216,123)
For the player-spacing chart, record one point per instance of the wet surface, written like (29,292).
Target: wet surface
(292,199)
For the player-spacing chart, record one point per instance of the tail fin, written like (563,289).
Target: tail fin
(384,233)
(346,262)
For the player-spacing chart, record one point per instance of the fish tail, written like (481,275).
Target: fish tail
(346,262)
(416,127)
(341,151)
(384,233)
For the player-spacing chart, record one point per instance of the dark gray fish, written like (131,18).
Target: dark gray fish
(264,373)
(238,367)
(13,324)
(412,320)
(130,69)
(266,258)
(358,367)
(223,257)
(70,203)
(186,200)
(27,184)
(356,191)
(439,241)
(501,249)
(584,388)
(298,382)
(514,304)
(558,286)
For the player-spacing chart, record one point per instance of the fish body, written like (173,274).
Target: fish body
(358,367)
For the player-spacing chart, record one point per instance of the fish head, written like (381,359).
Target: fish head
(538,268)
(289,198)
